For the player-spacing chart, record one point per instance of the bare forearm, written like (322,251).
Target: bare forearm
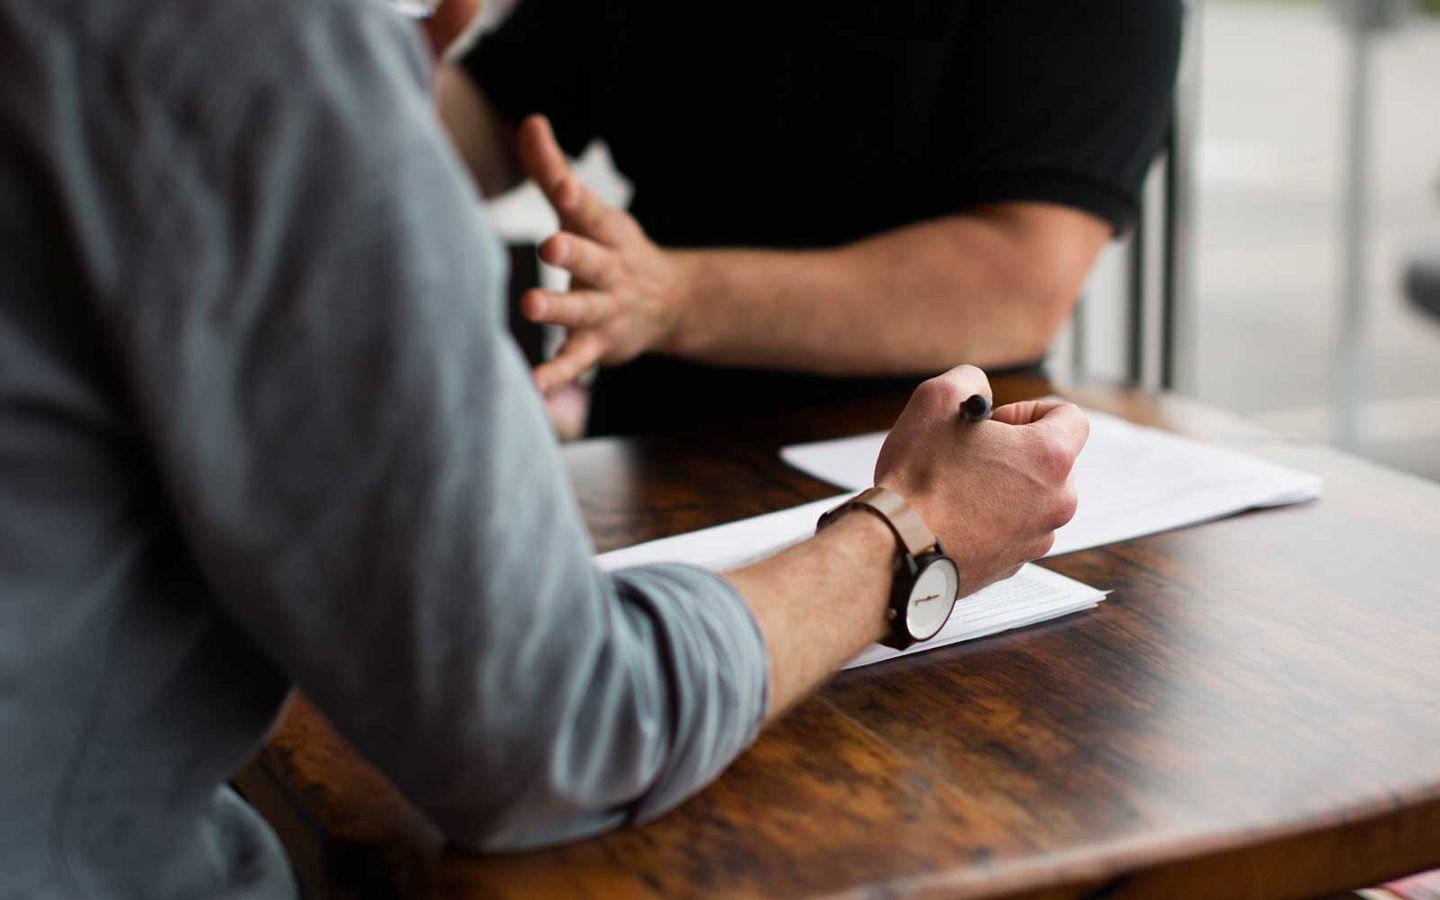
(483,137)
(820,603)
(989,288)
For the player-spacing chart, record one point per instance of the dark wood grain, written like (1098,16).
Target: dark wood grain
(1252,713)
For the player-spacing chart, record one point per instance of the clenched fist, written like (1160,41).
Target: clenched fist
(994,492)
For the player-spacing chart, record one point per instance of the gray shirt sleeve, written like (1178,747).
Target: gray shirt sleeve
(307,321)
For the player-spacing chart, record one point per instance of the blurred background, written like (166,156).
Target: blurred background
(1268,150)
(1271,175)
(1262,327)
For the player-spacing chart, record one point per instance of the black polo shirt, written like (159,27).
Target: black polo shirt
(812,123)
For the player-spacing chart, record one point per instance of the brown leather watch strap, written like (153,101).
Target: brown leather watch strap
(897,512)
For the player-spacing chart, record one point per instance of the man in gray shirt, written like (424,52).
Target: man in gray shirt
(261,426)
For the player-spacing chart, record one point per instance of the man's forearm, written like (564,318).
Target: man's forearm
(483,137)
(989,288)
(819,603)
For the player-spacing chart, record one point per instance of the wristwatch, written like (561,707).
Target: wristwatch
(926,583)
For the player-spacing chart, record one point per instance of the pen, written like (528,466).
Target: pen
(976,408)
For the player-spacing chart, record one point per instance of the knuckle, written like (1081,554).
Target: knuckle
(948,389)
(623,223)
(1078,422)
(1065,508)
(1052,461)
(939,390)
(533,302)
(579,253)
(968,374)
(567,191)
(968,379)
(1044,545)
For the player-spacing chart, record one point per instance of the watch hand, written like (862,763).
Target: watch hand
(925,599)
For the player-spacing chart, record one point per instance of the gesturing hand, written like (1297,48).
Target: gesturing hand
(994,492)
(624,291)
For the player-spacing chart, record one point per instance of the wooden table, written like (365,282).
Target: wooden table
(1254,712)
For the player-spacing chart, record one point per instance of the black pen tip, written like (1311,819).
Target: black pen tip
(975,407)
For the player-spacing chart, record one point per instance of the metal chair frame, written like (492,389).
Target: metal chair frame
(1174,254)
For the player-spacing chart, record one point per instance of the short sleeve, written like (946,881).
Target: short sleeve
(538,61)
(1066,103)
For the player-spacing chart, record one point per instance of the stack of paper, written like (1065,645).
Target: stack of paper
(1033,595)
(1131,480)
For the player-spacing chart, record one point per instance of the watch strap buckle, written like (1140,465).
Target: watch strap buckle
(910,530)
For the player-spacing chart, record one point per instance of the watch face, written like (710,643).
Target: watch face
(932,598)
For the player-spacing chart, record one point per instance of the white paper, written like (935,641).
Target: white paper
(1131,480)
(1032,595)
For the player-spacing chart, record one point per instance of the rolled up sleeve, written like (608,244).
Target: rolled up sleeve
(658,704)
(713,650)
(311,336)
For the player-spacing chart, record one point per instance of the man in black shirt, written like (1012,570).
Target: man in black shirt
(919,183)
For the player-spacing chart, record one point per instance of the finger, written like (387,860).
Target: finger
(583,258)
(945,392)
(573,309)
(582,211)
(576,357)
(579,208)
(1042,547)
(541,155)
(1024,412)
(1064,424)
(567,406)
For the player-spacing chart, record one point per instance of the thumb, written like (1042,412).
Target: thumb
(1059,421)
(1026,411)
